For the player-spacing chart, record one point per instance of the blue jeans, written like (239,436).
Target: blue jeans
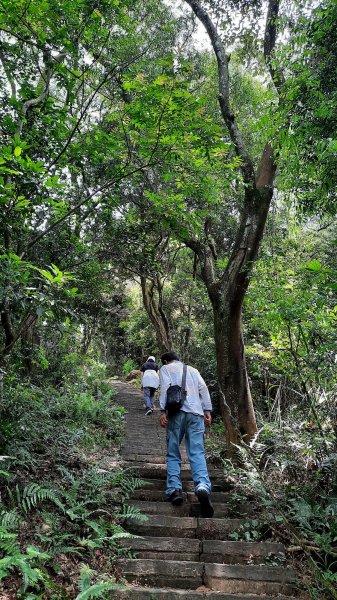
(192,427)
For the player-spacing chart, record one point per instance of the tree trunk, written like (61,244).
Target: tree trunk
(6,321)
(29,340)
(154,309)
(235,398)
(227,293)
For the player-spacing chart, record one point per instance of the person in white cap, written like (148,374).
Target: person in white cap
(150,382)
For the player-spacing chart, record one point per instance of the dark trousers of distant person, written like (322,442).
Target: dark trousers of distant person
(149,397)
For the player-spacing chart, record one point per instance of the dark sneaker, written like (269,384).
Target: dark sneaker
(149,412)
(206,506)
(176,498)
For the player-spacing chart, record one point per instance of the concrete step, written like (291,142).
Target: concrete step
(153,470)
(230,579)
(159,451)
(218,529)
(253,579)
(207,551)
(170,573)
(230,552)
(130,447)
(164,548)
(162,508)
(146,458)
(187,509)
(164,526)
(142,439)
(184,527)
(152,495)
(142,593)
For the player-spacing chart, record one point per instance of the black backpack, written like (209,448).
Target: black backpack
(176,395)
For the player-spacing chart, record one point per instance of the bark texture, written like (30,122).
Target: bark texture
(29,341)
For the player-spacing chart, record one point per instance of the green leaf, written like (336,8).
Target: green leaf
(313,265)
(17,151)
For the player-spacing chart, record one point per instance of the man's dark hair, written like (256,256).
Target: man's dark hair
(169,357)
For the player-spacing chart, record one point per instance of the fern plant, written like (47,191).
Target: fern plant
(132,512)
(28,564)
(129,484)
(8,542)
(10,519)
(31,495)
(89,590)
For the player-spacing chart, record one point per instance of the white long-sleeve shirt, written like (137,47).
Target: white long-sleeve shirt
(197,400)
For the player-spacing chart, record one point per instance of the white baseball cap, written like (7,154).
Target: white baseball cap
(152,358)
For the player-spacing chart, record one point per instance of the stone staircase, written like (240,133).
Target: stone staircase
(179,554)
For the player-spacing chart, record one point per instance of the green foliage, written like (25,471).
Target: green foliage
(294,492)
(30,563)
(251,531)
(96,590)
(80,505)
(129,366)
(308,107)
(292,312)
(32,495)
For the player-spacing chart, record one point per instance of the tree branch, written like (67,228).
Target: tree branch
(35,101)
(7,70)
(269,44)
(247,167)
(81,203)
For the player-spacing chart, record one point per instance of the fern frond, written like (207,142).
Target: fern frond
(6,565)
(67,474)
(132,512)
(8,542)
(10,519)
(29,574)
(97,589)
(86,574)
(130,484)
(31,495)
(124,535)
(97,527)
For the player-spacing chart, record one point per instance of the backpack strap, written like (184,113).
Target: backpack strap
(183,382)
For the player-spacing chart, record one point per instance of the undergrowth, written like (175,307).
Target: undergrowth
(63,494)
(288,477)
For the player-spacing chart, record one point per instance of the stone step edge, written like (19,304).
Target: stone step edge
(147,593)
(206,546)
(185,522)
(237,572)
